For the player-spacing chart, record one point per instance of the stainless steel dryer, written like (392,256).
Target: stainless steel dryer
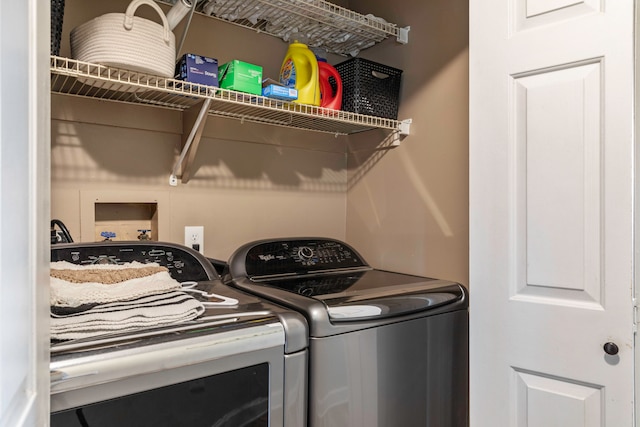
(236,365)
(385,350)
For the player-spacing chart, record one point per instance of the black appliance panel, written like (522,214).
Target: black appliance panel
(182,265)
(300,257)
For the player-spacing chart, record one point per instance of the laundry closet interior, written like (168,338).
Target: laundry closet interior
(401,200)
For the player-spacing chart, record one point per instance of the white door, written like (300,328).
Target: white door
(551,212)
(24,212)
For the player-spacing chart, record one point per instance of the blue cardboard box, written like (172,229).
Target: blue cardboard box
(280,92)
(197,69)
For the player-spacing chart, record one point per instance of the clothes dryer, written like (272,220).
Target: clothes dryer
(236,364)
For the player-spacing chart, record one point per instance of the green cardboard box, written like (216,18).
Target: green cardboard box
(241,76)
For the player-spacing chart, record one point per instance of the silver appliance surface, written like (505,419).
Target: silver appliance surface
(239,356)
(385,348)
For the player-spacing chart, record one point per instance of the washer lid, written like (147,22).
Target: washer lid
(369,294)
(345,283)
(349,309)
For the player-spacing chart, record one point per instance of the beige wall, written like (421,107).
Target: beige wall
(242,189)
(405,209)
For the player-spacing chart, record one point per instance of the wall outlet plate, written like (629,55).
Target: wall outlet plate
(194,237)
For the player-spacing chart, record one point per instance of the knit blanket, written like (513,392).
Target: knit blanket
(92,300)
(73,285)
(149,311)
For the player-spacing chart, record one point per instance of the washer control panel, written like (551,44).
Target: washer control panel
(182,265)
(300,256)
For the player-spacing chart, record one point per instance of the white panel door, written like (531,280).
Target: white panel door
(24,213)
(551,213)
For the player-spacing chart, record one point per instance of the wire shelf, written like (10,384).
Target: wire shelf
(319,23)
(72,77)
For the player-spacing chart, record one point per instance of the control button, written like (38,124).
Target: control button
(305,252)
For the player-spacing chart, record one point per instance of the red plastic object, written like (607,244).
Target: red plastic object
(330,94)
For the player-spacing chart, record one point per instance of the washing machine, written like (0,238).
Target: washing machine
(243,362)
(386,349)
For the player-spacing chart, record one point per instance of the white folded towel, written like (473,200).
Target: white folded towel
(90,300)
(66,293)
(148,311)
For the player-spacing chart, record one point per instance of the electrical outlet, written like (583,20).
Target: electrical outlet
(194,237)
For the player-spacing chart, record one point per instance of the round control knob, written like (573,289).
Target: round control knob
(611,349)
(305,252)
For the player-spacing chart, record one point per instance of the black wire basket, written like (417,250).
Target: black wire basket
(57,15)
(370,88)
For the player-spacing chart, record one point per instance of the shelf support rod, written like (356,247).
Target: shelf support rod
(190,145)
(194,3)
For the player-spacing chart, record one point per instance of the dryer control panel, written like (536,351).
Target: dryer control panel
(278,257)
(183,265)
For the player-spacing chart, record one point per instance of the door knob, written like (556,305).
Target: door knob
(610,348)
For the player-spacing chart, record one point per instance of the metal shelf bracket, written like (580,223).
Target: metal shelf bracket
(401,132)
(194,120)
(398,135)
(403,35)
(404,126)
